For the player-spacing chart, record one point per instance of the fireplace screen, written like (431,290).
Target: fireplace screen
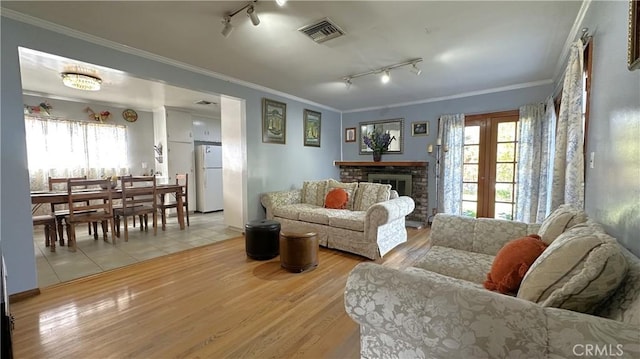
(400,183)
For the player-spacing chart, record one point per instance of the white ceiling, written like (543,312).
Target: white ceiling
(467,46)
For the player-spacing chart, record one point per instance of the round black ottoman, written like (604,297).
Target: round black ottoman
(262,239)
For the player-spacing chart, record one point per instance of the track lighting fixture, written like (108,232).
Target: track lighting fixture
(415,69)
(385,71)
(251,13)
(385,77)
(228,27)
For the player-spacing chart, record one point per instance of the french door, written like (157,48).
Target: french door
(489,168)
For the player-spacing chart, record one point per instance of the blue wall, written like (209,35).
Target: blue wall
(269,166)
(612,193)
(415,148)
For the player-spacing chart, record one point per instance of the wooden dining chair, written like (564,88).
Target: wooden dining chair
(49,223)
(61,184)
(163,206)
(139,198)
(89,201)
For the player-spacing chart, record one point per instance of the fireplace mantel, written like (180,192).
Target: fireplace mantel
(382,163)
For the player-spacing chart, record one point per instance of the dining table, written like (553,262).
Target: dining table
(38,198)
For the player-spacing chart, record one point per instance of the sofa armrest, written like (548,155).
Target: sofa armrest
(573,334)
(425,314)
(272,200)
(388,211)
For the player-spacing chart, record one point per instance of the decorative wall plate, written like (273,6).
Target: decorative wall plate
(130,115)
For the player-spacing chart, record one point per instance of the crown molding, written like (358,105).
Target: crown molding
(461,95)
(47,25)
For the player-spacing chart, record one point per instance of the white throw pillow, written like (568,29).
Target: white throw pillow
(563,218)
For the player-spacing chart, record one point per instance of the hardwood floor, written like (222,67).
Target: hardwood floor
(209,302)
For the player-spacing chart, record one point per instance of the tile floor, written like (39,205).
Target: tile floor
(95,256)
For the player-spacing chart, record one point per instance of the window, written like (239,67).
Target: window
(61,148)
(489,167)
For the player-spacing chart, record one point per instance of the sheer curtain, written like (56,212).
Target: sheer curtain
(61,148)
(535,149)
(568,169)
(451,136)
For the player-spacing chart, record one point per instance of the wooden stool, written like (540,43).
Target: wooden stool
(49,223)
(298,249)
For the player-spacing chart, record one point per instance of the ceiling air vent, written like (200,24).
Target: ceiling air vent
(322,30)
(204,102)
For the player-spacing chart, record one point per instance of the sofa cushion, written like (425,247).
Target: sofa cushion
(336,198)
(292,211)
(313,192)
(316,215)
(369,194)
(456,263)
(353,220)
(350,188)
(580,269)
(563,218)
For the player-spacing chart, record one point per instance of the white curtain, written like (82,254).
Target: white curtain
(61,148)
(451,136)
(568,169)
(535,148)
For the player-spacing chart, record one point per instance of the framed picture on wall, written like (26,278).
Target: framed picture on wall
(633,59)
(350,134)
(420,129)
(274,121)
(312,128)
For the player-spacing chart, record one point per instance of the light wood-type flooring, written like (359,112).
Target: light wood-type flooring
(207,302)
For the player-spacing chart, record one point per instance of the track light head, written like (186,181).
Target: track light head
(347,82)
(416,70)
(385,77)
(228,27)
(251,12)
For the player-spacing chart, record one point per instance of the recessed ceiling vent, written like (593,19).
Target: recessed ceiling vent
(204,102)
(322,30)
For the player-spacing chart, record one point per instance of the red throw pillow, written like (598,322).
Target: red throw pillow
(337,198)
(512,262)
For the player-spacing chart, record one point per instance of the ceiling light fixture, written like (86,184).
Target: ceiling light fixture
(416,70)
(385,77)
(385,71)
(281,2)
(251,13)
(81,81)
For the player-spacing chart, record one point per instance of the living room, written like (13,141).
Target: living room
(611,192)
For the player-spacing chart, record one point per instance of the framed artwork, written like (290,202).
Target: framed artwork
(274,121)
(312,128)
(633,58)
(394,127)
(350,134)
(420,129)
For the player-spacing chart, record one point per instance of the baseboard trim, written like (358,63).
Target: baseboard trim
(14,298)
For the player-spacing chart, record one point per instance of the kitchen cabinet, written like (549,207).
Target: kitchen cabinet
(179,126)
(206,129)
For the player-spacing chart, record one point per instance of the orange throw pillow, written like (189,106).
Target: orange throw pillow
(512,262)
(337,198)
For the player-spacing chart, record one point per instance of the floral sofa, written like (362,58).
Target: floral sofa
(372,223)
(439,308)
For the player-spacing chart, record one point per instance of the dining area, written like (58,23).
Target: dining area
(100,224)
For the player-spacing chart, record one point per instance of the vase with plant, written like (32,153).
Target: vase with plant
(379,142)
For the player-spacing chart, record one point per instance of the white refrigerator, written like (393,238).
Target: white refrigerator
(208,178)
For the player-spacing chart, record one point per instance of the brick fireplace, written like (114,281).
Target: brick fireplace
(359,172)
